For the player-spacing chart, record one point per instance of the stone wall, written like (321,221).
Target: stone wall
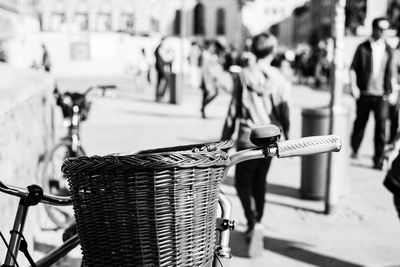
(26,133)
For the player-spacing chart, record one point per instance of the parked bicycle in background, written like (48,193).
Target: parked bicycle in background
(75,108)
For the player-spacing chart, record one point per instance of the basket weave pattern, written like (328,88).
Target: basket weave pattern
(147,209)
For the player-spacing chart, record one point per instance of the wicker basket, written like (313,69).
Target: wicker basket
(154,208)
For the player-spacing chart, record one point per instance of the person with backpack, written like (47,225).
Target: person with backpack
(260,95)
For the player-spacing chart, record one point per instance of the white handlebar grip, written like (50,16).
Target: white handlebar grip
(309,145)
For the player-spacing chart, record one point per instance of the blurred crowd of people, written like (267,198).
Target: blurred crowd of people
(210,67)
(312,63)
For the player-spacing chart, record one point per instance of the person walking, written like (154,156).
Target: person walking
(194,65)
(259,88)
(211,70)
(164,58)
(143,72)
(371,81)
(46,63)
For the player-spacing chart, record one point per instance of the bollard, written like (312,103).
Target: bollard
(314,167)
(176,87)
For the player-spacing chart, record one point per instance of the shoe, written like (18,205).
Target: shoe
(249,232)
(256,243)
(354,155)
(378,166)
(378,163)
(203,114)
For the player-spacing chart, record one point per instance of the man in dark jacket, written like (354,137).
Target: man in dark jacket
(371,80)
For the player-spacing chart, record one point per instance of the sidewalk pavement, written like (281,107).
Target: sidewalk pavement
(362,230)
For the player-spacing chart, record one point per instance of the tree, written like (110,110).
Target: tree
(355,12)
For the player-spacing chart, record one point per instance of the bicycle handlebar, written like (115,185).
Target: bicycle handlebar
(46,199)
(308,145)
(291,148)
(102,87)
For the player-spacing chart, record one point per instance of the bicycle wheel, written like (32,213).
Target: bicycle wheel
(54,182)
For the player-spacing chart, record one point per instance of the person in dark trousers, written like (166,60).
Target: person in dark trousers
(164,58)
(371,81)
(258,87)
(46,63)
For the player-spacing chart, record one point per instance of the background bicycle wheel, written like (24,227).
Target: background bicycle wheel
(51,174)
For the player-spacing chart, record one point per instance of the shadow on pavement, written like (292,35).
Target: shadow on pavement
(271,188)
(297,207)
(361,165)
(164,114)
(283,190)
(287,248)
(279,190)
(293,250)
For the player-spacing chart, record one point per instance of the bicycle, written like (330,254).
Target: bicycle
(113,236)
(75,109)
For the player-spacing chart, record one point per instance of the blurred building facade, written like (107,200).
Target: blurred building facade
(260,15)
(17,17)
(8,13)
(191,18)
(312,21)
(18,22)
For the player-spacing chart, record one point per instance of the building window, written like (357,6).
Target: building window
(220,21)
(198,23)
(104,22)
(155,25)
(177,22)
(126,23)
(82,20)
(57,19)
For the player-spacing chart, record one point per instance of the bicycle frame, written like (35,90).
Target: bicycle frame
(30,198)
(222,247)
(15,239)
